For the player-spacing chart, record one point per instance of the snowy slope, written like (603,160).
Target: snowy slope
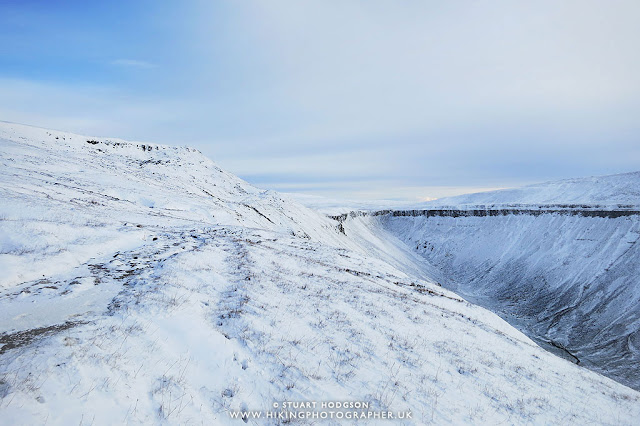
(53,182)
(607,190)
(566,278)
(569,281)
(147,286)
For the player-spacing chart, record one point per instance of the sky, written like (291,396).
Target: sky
(403,100)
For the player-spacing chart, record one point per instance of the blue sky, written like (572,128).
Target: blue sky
(351,99)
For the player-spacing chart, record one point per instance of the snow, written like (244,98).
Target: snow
(147,286)
(565,278)
(337,206)
(610,190)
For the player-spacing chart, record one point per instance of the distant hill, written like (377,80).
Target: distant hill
(606,190)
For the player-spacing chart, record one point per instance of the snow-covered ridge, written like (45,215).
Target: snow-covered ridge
(611,190)
(94,180)
(147,286)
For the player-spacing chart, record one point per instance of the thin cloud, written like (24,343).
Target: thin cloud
(133,63)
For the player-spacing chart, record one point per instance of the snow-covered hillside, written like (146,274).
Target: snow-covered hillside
(63,190)
(608,190)
(569,281)
(565,271)
(143,285)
